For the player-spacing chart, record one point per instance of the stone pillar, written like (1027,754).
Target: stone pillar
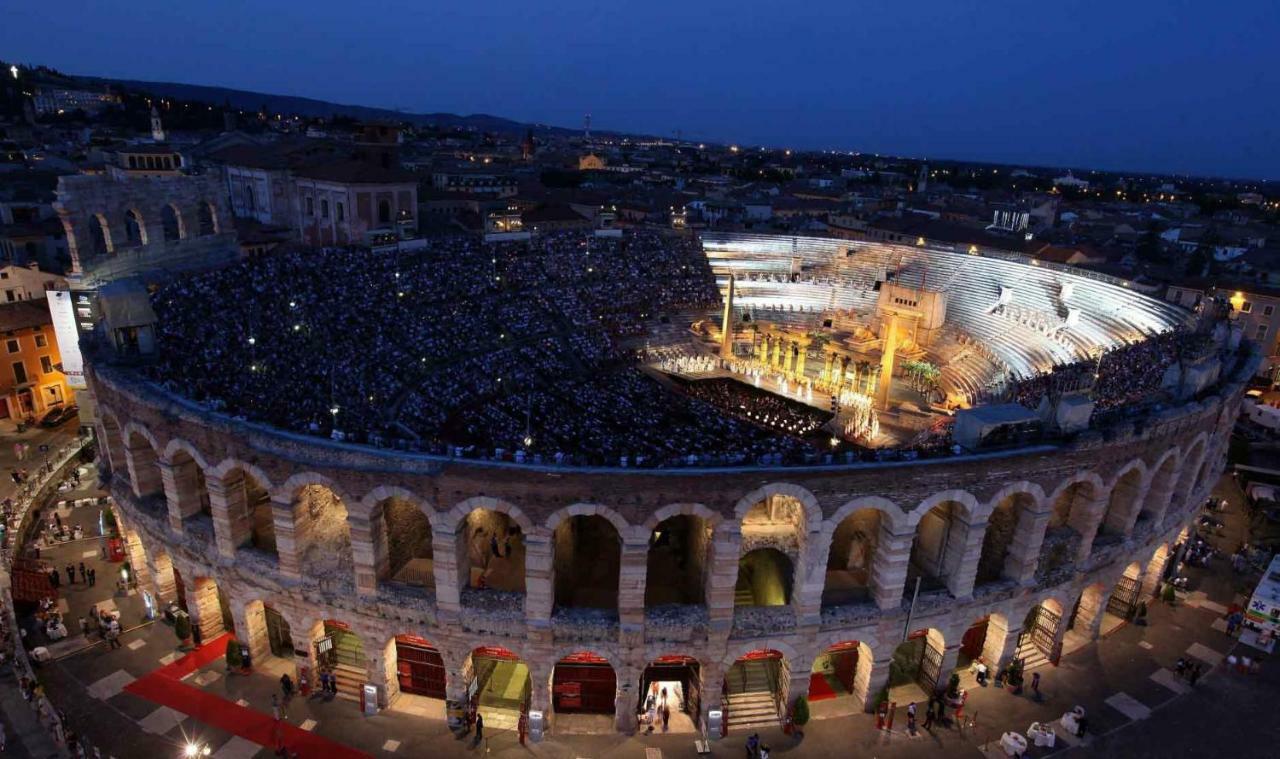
(877,680)
(889,566)
(138,561)
(161,568)
(890,334)
(1154,572)
(363,553)
(1094,508)
(287,549)
(800,362)
(966,540)
(232,522)
(811,577)
(1089,616)
(540,687)
(725,551)
(251,628)
(205,611)
(624,702)
(631,582)
(451,565)
(950,657)
(538,581)
(826,376)
(380,671)
(1001,643)
(144,475)
(181,492)
(712,677)
(1024,549)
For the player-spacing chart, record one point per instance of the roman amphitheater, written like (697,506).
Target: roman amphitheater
(1015,493)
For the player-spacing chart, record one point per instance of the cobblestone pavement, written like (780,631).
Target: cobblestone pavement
(1123,682)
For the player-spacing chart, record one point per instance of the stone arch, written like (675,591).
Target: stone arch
(766,577)
(943,525)
(472,527)
(142,456)
(172,223)
(240,497)
(135,228)
(1124,498)
(1072,522)
(741,649)
(401,536)
(112,437)
(207,218)
(712,518)
(680,556)
(1160,483)
(313,533)
(586,510)
(178,444)
(1191,465)
(186,485)
(812,511)
(1010,544)
(920,659)
(841,669)
(366,506)
(585,573)
(853,537)
(100,235)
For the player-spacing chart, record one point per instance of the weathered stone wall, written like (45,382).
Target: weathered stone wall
(86,200)
(634,502)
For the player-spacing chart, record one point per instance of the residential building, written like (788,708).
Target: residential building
(31,382)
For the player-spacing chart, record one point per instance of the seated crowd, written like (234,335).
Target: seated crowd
(467,348)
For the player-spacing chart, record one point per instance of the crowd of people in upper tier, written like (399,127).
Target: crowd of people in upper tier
(1126,375)
(468,348)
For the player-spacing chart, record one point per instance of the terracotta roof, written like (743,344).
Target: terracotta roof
(24,313)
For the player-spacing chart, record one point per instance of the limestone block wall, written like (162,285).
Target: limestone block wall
(819,501)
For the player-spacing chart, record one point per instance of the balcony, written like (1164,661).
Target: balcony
(762,621)
(676,623)
(584,625)
(493,612)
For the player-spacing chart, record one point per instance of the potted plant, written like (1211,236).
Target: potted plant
(182,630)
(1170,594)
(800,716)
(108,522)
(1014,676)
(234,660)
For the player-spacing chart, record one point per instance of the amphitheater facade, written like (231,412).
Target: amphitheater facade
(414,574)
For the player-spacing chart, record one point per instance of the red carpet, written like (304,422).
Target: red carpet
(819,688)
(165,687)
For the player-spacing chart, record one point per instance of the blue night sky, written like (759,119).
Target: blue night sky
(1163,85)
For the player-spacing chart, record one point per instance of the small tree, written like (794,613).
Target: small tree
(801,713)
(109,521)
(182,628)
(234,660)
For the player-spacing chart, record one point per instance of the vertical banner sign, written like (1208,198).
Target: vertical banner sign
(68,336)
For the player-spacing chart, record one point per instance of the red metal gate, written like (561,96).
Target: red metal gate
(419,667)
(584,683)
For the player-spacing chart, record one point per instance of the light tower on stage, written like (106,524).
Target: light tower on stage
(726,325)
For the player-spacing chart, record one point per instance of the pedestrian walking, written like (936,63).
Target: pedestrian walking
(666,718)
(911,717)
(1196,671)
(753,745)
(275,707)
(1180,667)
(84,575)
(57,519)
(479,728)
(928,715)
(71,574)
(113,638)
(286,686)
(93,577)
(84,626)
(55,579)
(1035,685)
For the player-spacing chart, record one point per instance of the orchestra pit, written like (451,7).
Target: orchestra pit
(575,478)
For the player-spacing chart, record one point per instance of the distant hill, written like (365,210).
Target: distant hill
(251,101)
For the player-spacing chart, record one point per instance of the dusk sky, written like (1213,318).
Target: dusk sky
(1186,86)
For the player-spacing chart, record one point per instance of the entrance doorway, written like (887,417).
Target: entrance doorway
(342,652)
(754,688)
(279,637)
(834,671)
(419,667)
(679,677)
(583,683)
(916,668)
(498,686)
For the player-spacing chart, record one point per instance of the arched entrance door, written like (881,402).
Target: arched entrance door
(419,667)
(754,688)
(678,680)
(279,637)
(1039,642)
(583,683)
(342,652)
(498,686)
(918,662)
(834,672)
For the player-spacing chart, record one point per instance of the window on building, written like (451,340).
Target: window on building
(1246,307)
(1268,310)
(19,373)
(4,275)
(46,365)
(341,212)
(311,209)
(172,226)
(324,209)
(10,296)
(384,212)
(12,345)
(133,234)
(98,234)
(42,341)
(1260,332)
(207,220)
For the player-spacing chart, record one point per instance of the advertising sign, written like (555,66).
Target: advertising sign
(68,337)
